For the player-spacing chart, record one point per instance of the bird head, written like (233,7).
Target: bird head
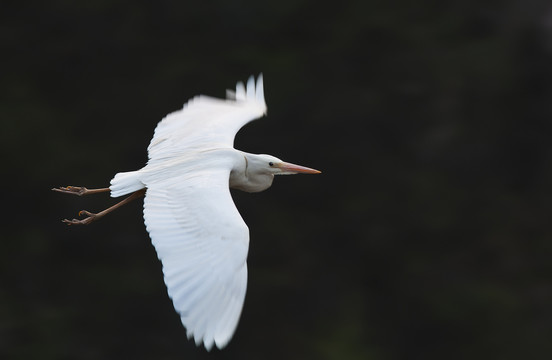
(275,166)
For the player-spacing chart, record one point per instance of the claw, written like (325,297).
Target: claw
(75,190)
(87,213)
(87,220)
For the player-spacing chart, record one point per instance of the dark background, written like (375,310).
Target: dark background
(428,235)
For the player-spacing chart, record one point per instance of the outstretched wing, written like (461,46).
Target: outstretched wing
(202,243)
(207,122)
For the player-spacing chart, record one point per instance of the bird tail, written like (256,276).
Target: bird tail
(125,183)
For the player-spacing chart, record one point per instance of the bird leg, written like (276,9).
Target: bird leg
(90,217)
(80,191)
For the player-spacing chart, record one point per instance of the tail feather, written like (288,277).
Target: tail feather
(125,183)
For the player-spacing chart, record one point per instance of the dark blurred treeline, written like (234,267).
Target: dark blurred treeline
(428,235)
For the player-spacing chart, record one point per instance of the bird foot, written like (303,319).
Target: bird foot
(87,220)
(75,190)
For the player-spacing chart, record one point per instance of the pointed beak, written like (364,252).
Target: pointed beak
(296,169)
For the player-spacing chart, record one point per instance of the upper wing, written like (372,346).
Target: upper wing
(202,243)
(206,122)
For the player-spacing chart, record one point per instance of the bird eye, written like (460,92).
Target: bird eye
(271,164)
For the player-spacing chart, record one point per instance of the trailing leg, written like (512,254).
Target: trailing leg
(90,217)
(78,190)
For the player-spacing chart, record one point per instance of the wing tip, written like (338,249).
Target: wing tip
(252,91)
(220,342)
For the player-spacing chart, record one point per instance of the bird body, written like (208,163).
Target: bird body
(198,233)
(247,172)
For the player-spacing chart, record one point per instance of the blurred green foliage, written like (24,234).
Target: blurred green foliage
(427,236)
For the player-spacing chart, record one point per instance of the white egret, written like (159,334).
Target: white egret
(198,234)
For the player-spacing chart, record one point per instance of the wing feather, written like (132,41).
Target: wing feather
(206,122)
(189,213)
(202,243)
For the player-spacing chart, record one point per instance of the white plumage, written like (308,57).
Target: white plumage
(202,242)
(198,234)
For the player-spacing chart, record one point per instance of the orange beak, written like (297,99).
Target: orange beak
(296,169)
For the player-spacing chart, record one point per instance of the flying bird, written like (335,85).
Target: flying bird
(198,233)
